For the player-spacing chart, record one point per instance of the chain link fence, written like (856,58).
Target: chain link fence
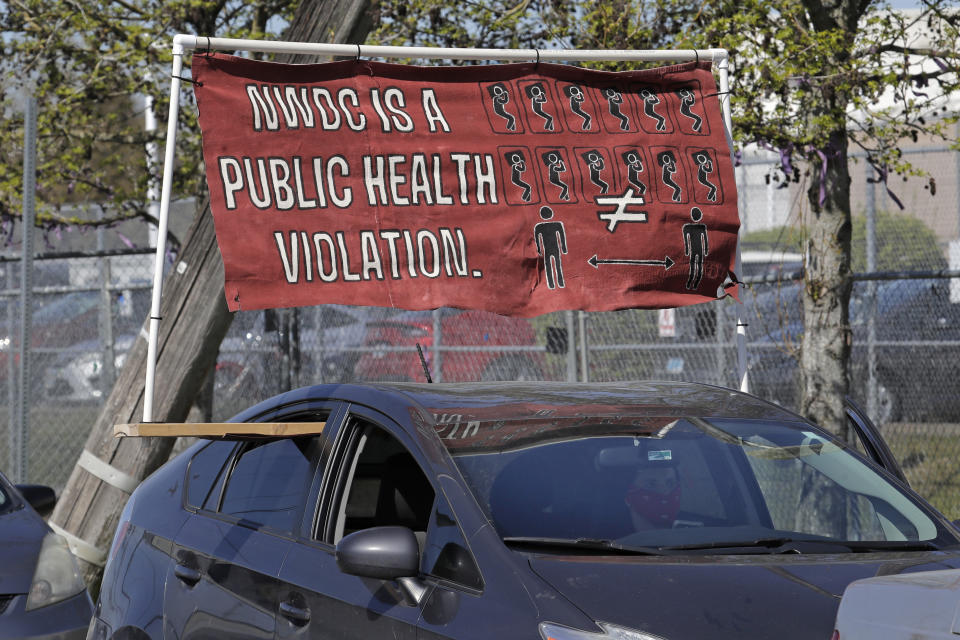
(86,312)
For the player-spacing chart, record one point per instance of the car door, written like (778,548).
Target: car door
(871,442)
(372,479)
(229,552)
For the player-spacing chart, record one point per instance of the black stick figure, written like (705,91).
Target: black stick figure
(634,164)
(687,100)
(668,162)
(538,98)
(596,164)
(650,102)
(501,96)
(518,166)
(695,245)
(577,98)
(615,99)
(555,166)
(704,169)
(551,242)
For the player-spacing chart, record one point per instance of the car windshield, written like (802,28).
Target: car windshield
(684,483)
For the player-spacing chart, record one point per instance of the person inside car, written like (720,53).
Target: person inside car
(653,497)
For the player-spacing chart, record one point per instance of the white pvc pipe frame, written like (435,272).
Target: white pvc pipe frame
(182,42)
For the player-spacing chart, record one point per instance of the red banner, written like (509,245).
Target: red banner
(519,189)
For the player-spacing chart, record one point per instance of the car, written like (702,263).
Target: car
(908,606)
(67,333)
(637,511)
(486,347)
(916,342)
(41,592)
(263,350)
(77,375)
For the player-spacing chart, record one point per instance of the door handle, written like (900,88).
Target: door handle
(297,615)
(187,574)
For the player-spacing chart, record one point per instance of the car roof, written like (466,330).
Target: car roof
(525,400)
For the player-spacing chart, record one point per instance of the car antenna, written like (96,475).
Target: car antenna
(423,361)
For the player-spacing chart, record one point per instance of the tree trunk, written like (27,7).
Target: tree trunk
(825,348)
(195,319)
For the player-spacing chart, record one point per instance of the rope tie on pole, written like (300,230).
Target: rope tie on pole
(190,80)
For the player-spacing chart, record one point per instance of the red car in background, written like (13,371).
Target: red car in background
(485,347)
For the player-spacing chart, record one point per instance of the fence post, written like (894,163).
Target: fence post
(584,356)
(106,318)
(871,239)
(437,354)
(26,281)
(571,347)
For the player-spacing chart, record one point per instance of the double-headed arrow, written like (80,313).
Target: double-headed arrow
(666,263)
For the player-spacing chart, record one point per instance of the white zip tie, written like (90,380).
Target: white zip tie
(109,474)
(81,548)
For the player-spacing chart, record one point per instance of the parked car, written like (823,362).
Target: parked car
(643,511)
(487,347)
(77,375)
(916,343)
(66,335)
(41,592)
(909,606)
(266,352)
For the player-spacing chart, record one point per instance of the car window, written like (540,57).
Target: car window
(679,481)
(445,553)
(5,501)
(383,486)
(206,467)
(269,482)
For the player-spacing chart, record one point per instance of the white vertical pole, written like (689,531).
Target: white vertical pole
(166,188)
(722,59)
(153,159)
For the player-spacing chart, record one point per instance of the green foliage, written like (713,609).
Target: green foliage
(904,243)
(89,65)
(495,24)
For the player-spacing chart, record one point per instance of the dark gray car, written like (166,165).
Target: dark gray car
(42,595)
(636,511)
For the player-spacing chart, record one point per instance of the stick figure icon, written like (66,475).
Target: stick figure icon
(704,169)
(596,164)
(615,99)
(695,246)
(501,96)
(555,166)
(687,100)
(668,162)
(551,242)
(650,102)
(634,164)
(518,166)
(538,98)
(577,98)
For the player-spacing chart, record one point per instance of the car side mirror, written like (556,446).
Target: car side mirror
(387,553)
(42,498)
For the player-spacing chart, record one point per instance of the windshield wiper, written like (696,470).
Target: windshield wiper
(892,545)
(582,544)
(808,545)
(775,545)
